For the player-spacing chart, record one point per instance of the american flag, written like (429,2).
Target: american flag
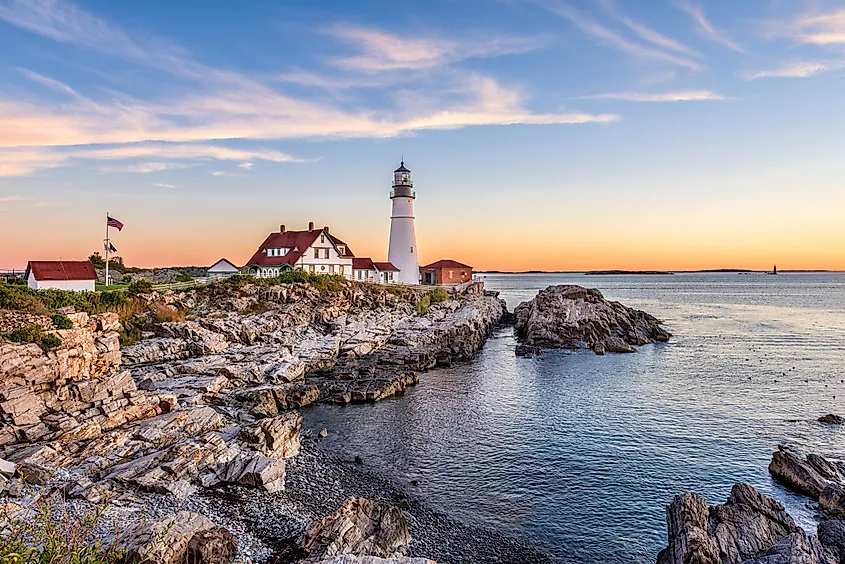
(112,222)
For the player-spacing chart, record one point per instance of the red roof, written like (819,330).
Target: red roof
(298,241)
(363,263)
(447,263)
(386,266)
(61,270)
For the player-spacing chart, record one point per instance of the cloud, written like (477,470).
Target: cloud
(655,38)
(705,28)
(246,165)
(608,37)
(203,106)
(218,173)
(793,70)
(13,198)
(160,185)
(383,51)
(680,96)
(821,29)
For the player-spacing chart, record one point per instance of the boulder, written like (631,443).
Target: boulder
(275,437)
(575,317)
(832,536)
(183,537)
(831,419)
(809,476)
(361,528)
(748,527)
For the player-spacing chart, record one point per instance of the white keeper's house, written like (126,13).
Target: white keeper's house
(313,250)
(74,275)
(366,270)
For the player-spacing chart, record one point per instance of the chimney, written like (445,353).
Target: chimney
(326,228)
(310,226)
(282,228)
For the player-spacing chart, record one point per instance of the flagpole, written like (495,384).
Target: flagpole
(107,248)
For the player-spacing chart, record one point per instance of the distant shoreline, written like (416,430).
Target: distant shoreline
(655,272)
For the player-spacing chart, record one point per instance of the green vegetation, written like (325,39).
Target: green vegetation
(184,277)
(323,282)
(424,304)
(61,321)
(164,314)
(51,535)
(438,295)
(129,336)
(45,302)
(33,333)
(139,287)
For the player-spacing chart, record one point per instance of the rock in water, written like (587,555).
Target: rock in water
(831,419)
(349,559)
(749,528)
(183,537)
(572,316)
(814,476)
(361,528)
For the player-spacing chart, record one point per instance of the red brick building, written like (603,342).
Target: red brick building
(445,272)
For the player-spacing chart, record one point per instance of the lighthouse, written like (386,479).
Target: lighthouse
(403,252)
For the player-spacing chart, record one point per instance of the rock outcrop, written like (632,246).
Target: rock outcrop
(576,317)
(814,476)
(360,528)
(184,537)
(749,528)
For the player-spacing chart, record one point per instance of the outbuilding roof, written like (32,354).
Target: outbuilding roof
(222,262)
(61,270)
(386,266)
(447,263)
(363,263)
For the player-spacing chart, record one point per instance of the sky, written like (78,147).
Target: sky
(542,134)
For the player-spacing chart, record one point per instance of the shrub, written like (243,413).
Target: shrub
(438,295)
(183,277)
(33,333)
(126,279)
(52,535)
(424,304)
(129,337)
(139,287)
(50,342)
(61,321)
(239,280)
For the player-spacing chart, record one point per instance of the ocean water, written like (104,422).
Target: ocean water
(581,453)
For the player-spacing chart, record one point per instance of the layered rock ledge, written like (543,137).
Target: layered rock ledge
(208,402)
(571,316)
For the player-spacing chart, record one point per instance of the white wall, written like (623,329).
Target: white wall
(403,251)
(72,285)
(321,264)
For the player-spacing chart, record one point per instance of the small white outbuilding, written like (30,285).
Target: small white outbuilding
(73,275)
(222,269)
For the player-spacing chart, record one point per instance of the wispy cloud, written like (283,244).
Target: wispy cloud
(161,185)
(246,165)
(679,96)
(383,51)
(815,28)
(613,39)
(218,173)
(705,28)
(13,198)
(800,69)
(647,34)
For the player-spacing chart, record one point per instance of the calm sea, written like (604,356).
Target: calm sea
(581,453)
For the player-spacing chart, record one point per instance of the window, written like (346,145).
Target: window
(331,268)
(412,250)
(311,268)
(391,275)
(341,249)
(322,238)
(451,274)
(326,253)
(340,269)
(316,253)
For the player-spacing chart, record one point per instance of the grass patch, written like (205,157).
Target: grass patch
(129,337)
(52,535)
(166,314)
(424,304)
(438,295)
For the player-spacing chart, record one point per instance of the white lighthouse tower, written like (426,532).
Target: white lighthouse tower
(403,252)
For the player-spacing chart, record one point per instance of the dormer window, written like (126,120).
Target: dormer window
(341,249)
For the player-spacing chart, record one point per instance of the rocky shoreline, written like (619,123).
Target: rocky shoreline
(191,432)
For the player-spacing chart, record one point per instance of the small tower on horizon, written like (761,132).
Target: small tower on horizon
(402,251)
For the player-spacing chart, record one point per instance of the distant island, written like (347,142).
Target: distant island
(615,272)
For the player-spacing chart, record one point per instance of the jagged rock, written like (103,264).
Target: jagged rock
(360,527)
(266,401)
(528,350)
(832,536)
(832,500)
(276,437)
(809,476)
(7,468)
(34,474)
(184,537)
(797,548)
(745,528)
(831,419)
(572,316)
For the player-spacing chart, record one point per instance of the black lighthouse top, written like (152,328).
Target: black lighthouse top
(402,176)
(403,186)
